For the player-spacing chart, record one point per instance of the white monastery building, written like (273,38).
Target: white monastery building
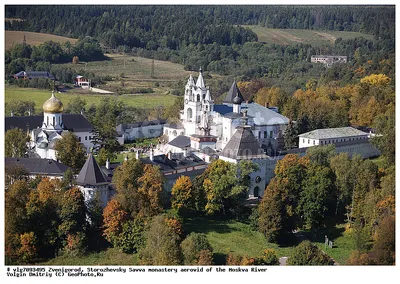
(331,136)
(46,129)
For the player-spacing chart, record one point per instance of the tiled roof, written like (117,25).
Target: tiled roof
(243,145)
(72,122)
(263,115)
(176,162)
(90,173)
(233,92)
(331,133)
(36,166)
(223,109)
(35,74)
(180,141)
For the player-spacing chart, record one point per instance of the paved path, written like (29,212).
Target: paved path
(283,260)
(97,90)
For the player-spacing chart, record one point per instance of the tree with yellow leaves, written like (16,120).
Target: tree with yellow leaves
(182,196)
(376,80)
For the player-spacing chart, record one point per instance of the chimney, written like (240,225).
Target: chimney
(267,104)
(12,114)
(151,155)
(137,155)
(185,152)
(107,164)
(29,112)
(169,155)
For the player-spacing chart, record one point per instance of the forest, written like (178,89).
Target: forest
(217,41)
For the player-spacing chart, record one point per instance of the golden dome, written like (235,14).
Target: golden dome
(53,105)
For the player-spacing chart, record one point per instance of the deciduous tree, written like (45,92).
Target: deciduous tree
(70,151)
(15,143)
(162,244)
(182,196)
(306,253)
(192,246)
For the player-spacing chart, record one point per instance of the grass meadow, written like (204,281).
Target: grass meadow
(40,96)
(296,36)
(13,37)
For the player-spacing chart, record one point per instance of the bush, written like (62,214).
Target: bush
(175,92)
(142,91)
(306,253)
(192,246)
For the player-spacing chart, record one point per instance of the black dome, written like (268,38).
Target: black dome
(237,100)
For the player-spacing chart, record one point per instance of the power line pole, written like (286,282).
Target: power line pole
(152,69)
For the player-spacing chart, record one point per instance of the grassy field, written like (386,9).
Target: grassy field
(12,37)
(294,36)
(40,96)
(134,68)
(233,237)
(225,237)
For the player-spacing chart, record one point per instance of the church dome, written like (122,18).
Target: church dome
(53,105)
(237,100)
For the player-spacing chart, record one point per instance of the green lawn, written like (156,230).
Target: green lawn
(233,237)
(110,256)
(295,36)
(225,237)
(40,96)
(343,243)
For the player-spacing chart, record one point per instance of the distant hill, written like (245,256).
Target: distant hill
(294,36)
(13,37)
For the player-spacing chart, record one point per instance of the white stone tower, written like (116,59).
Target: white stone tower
(194,101)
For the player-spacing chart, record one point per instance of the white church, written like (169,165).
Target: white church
(45,130)
(235,130)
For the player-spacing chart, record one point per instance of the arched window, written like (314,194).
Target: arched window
(256,191)
(206,107)
(189,113)
(59,120)
(54,121)
(47,120)
(198,97)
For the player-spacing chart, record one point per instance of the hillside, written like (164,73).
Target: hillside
(295,36)
(133,68)
(12,37)
(40,96)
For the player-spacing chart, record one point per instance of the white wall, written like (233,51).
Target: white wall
(90,193)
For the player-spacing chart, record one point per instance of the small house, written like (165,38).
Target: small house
(81,81)
(28,75)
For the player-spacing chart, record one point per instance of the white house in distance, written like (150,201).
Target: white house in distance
(46,129)
(331,136)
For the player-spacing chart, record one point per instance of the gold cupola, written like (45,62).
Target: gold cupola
(53,105)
